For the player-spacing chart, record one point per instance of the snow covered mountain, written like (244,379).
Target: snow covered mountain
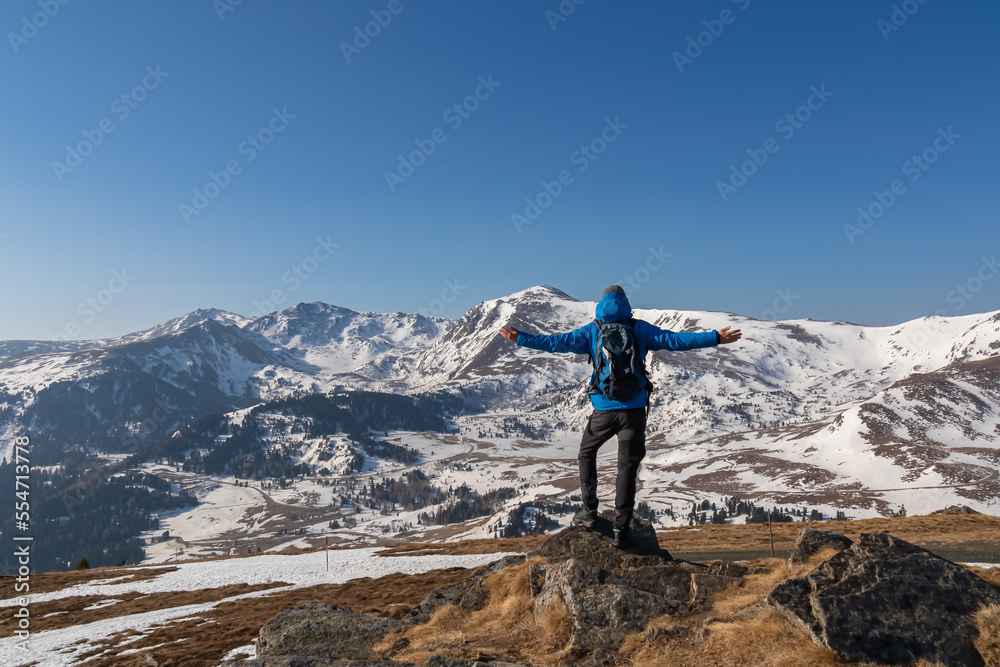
(834,405)
(337,340)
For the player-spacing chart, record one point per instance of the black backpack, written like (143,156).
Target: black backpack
(619,370)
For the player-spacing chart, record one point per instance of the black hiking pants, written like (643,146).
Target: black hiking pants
(630,427)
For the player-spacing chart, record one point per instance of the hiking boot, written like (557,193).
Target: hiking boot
(586,518)
(621,538)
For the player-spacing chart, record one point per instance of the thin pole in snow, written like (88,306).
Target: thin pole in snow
(326,540)
(770,533)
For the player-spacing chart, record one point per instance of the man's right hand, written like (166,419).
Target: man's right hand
(727,336)
(510,333)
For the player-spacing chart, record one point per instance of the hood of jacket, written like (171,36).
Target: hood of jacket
(613,307)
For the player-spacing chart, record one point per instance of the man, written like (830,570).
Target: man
(619,392)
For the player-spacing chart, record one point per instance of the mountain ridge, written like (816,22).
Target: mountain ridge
(824,397)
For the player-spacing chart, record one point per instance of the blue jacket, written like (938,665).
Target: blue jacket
(614,307)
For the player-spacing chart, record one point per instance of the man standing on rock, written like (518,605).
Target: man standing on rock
(619,391)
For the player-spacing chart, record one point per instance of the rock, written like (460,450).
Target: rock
(727,568)
(603,607)
(813,540)
(611,593)
(323,631)
(705,586)
(957,509)
(400,644)
(885,600)
(437,598)
(597,545)
(652,634)
(666,580)
(536,579)
(471,595)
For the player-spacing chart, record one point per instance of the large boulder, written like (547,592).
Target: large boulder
(603,609)
(323,631)
(813,540)
(885,600)
(611,593)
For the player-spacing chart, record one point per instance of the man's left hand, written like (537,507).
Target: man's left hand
(509,333)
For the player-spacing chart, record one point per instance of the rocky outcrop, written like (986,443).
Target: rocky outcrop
(611,593)
(885,600)
(596,546)
(956,509)
(323,631)
(813,540)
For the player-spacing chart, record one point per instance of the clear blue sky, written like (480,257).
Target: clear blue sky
(657,184)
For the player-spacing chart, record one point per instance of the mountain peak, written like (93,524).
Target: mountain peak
(543,291)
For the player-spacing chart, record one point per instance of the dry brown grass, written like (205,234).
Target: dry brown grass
(506,626)
(965,531)
(70,611)
(523,544)
(991,575)
(988,641)
(46,582)
(769,640)
(754,588)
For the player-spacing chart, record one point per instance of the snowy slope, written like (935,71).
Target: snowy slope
(67,646)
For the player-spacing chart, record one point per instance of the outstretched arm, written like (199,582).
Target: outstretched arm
(663,339)
(575,341)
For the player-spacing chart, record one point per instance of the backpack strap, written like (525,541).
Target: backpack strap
(641,365)
(597,362)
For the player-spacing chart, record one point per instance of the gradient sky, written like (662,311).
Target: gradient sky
(63,233)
